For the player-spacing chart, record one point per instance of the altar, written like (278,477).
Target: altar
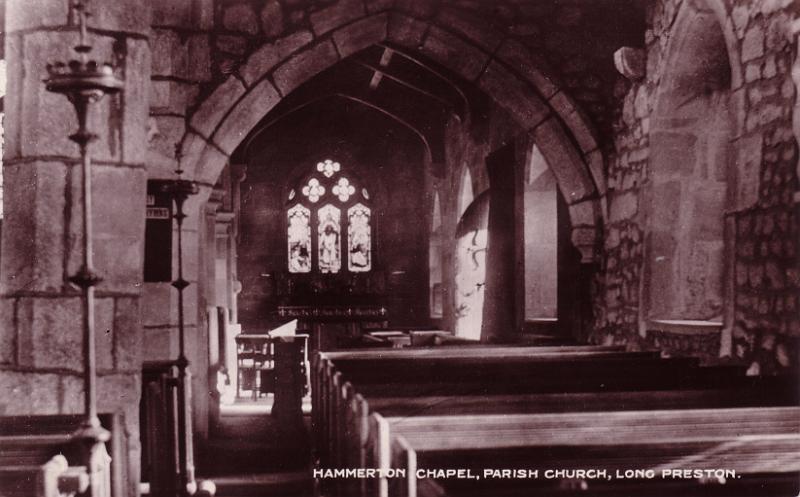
(332,327)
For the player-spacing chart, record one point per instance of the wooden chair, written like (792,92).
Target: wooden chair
(255,359)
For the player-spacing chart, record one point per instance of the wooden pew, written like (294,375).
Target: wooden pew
(35,450)
(727,387)
(55,478)
(762,445)
(323,370)
(158,427)
(473,351)
(496,372)
(353,444)
(740,392)
(537,373)
(341,412)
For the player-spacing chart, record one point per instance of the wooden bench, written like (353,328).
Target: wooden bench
(762,446)
(51,479)
(537,373)
(158,427)
(340,412)
(353,436)
(501,369)
(346,435)
(323,369)
(40,456)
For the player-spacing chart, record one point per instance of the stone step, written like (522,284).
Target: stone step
(288,484)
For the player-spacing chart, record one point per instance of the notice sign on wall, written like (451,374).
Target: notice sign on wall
(158,236)
(156,212)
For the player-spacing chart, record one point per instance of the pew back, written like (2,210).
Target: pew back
(34,440)
(749,441)
(34,451)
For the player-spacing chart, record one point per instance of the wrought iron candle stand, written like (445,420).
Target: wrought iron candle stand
(84,82)
(179,190)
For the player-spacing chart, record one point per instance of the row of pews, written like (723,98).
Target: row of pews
(513,421)
(42,456)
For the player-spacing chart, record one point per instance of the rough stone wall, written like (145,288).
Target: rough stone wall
(765,283)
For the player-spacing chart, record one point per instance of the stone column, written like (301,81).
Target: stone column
(208,287)
(500,320)
(195,302)
(238,174)
(40,313)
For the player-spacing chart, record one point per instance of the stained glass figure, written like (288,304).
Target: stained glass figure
(328,167)
(329,232)
(313,190)
(359,239)
(343,189)
(299,232)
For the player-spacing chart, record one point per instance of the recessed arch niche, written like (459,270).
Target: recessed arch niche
(690,178)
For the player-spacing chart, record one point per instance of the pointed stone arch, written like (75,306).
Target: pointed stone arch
(497,64)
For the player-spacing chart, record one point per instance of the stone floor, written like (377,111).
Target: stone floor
(248,454)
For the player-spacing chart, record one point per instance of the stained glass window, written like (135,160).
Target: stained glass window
(329,233)
(343,212)
(299,239)
(359,244)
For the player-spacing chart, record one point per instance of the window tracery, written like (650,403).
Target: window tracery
(325,252)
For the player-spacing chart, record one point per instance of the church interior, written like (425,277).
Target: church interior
(374,248)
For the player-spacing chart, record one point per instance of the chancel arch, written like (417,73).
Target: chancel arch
(537,103)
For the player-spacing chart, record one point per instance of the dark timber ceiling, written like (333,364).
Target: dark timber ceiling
(408,89)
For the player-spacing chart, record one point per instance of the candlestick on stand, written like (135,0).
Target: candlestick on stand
(84,82)
(179,190)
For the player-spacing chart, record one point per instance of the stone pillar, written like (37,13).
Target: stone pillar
(238,174)
(225,281)
(210,248)
(208,287)
(500,320)
(40,313)
(195,302)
